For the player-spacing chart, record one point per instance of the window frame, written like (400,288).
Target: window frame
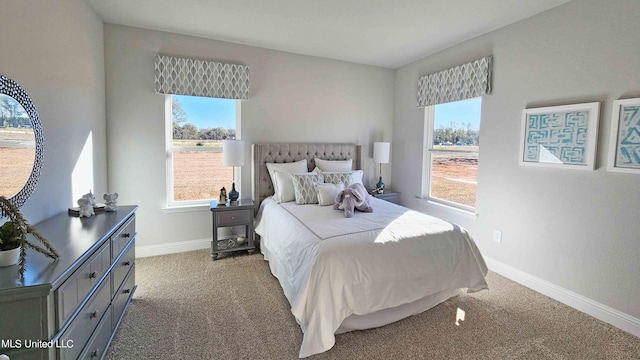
(169,190)
(427,160)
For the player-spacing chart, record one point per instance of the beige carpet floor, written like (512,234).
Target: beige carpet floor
(189,307)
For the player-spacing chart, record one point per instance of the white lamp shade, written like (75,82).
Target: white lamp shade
(232,152)
(381,152)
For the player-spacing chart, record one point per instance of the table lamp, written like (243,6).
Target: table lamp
(380,156)
(233,155)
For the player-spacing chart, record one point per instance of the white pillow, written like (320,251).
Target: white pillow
(289,168)
(345,177)
(283,185)
(333,165)
(327,193)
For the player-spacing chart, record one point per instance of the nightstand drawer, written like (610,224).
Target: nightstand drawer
(226,218)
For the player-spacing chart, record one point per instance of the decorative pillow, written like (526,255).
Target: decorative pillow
(284,187)
(327,193)
(289,168)
(305,192)
(346,177)
(333,165)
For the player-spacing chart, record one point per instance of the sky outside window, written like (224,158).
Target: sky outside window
(459,112)
(203,112)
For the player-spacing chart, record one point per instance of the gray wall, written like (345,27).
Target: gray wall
(55,51)
(292,98)
(575,229)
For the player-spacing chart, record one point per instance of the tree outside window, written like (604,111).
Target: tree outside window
(197,126)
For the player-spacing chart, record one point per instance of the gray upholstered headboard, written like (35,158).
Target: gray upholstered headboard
(291,152)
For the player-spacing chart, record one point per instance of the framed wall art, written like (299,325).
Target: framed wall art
(624,143)
(560,136)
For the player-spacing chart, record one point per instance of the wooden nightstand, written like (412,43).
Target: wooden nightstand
(232,216)
(389,195)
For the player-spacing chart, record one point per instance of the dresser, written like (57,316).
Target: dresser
(70,308)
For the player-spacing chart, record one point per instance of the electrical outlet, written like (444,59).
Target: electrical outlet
(497,236)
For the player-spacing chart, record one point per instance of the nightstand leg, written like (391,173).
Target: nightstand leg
(214,257)
(251,251)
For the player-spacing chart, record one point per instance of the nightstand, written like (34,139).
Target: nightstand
(389,195)
(227,216)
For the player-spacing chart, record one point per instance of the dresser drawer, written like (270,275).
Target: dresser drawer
(122,296)
(86,322)
(76,288)
(122,266)
(226,218)
(97,345)
(122,236)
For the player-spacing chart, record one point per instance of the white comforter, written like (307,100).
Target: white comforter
(332,267)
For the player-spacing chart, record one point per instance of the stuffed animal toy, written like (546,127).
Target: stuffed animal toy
(110,201)
(355,196)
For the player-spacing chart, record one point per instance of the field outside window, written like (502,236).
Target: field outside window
(17,146)
(451,154)
(195,130)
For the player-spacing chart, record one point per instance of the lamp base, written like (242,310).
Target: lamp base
(233,194)
(379,186)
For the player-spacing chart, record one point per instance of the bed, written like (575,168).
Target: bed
(342,274)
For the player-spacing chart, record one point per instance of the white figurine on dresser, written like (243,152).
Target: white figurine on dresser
(110,201)
(86,204)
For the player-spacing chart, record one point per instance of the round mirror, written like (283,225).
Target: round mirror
(21,143)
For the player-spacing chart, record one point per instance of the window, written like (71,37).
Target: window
(450,174)
(195,129)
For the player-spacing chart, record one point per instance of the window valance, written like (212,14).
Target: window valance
(182,76)
(466,81)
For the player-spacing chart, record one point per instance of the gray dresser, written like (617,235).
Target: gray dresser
(70,308)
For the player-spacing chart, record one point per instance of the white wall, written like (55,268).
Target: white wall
(575,229)
(55,51)
(292,98)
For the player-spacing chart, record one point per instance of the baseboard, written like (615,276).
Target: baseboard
(172,248)
(599,311)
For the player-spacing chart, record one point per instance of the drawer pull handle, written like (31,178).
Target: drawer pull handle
(233,218)
(126,263)
(126,235)
(94,314)
(95,353)
(93,275)
(126,291)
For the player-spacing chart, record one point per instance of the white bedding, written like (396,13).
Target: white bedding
(332,267)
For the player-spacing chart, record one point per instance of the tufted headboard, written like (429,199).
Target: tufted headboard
(291,152)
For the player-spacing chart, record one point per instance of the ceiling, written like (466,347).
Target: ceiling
(386,33)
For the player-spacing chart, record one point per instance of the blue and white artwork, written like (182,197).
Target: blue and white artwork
(628,147)
(557,137)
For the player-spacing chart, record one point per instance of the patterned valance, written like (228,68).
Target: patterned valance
(457,83)
(182,76)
